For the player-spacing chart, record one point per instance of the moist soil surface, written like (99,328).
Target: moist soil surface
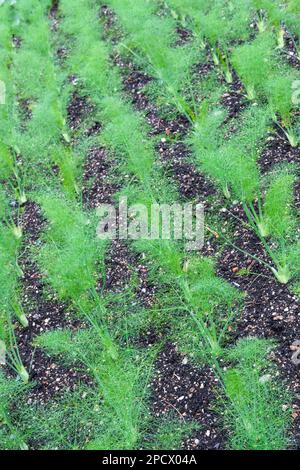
(189,392)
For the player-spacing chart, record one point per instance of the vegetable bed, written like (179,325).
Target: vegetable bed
(109,343)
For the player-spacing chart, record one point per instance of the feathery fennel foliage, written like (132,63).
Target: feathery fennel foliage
(270,15)
(71,252)
(11,437)
(275,222)
(9,275)
(169,65)
(218,23)
(123,131)
(279,91)
(231,165)
(121,375)
(254,63)
(281,221)
(258,409)
(10,170)
(6,125)
(278,203)
(36,79)
(82,32)
(72,257)
(38,82)
(204,303)
(10,183)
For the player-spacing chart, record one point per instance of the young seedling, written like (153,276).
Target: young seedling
(256,218)
(282,223)
(169,65)
(12,356)
(71,249)
(254,63)
(291,19)
(11,222)
(36,50)
(39,125)
(190,12)
(19,313)
(279,90)
(236,173)
(275,223)
(9,274)
(218,25)
(120,375)
(232,166)
(68,170)
(197,293)
(258,408)
(11,392)
(269,13)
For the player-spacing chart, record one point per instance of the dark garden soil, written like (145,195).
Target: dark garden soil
(189,393)
(202,69)
(53,15)
(122,264)
(290,52)
(17,41)
(184,36)
(26,113)
(234,99)
(97,185)
(78,109)
(277,150)
(191,183)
